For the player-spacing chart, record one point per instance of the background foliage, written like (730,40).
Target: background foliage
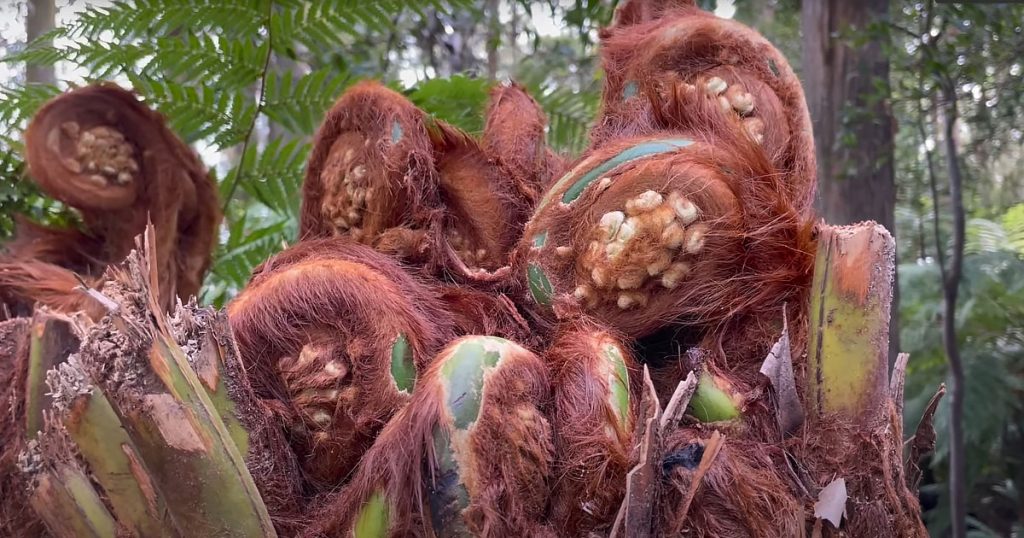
(246,81)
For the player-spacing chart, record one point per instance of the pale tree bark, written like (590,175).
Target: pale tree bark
(41,16)
(848,94)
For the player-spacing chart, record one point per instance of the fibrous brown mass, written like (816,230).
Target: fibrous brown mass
(107,155)
(473,337)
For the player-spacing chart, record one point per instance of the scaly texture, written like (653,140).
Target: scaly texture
(317,328)
(655,48)
(471,453)
(594,418)
(687,223)
(385,174)
(103,152)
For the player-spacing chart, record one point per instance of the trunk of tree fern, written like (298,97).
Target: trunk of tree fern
(151,428)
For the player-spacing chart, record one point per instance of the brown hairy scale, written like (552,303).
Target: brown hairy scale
(487,313)
(315,328)
(508,471)
(479,202)
(660,46)
(742,494)
(514,138)
(104,153)
(592,449)
(706,227)
(385,174)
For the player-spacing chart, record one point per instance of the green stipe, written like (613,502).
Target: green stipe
(710,403)
(374,518)
(618,382)
(403,369)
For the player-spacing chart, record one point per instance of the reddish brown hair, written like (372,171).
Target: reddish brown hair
(103,152)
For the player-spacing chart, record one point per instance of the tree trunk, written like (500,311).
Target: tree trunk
(493,39)
(951,277)
(41,14)
(847,90)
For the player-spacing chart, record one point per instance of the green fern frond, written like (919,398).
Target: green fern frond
(213,61)
(984,235)
(105,60)
(250,241)
(146,18)
(458,100)
(274,176)
(569,115)
(319,25)
(202,112)
(299,104)
(1013,223)
(41,51)
(18,103)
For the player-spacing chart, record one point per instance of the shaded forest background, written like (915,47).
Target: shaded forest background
(917,107)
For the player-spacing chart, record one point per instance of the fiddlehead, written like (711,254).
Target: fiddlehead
(103,152)
(386,175)
(471,453)
(340,332)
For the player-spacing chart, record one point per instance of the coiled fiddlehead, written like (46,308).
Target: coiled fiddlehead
(385,174)
(103,152)
(341,333)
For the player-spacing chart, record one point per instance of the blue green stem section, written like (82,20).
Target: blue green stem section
(462,376)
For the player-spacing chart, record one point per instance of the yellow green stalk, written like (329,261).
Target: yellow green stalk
(69,505)
(373,519)
(848,344)
(116,466)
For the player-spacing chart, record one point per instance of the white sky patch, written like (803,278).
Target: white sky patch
(725,9)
